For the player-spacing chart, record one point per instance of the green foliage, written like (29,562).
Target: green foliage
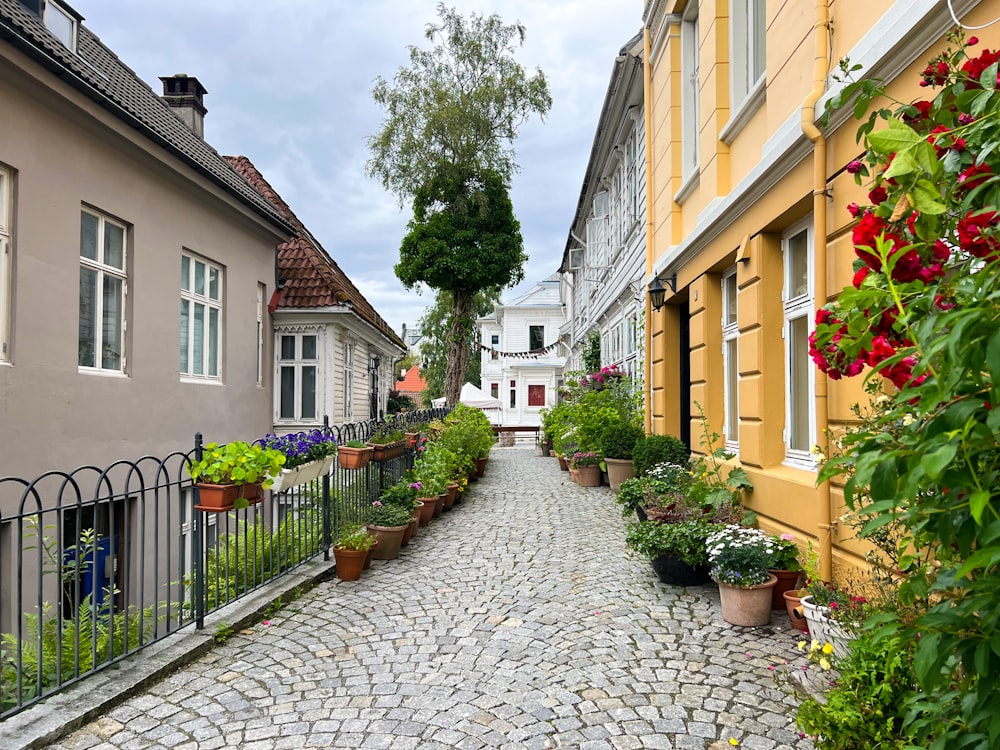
(223,632)
(658,449)
(355,536)
(434,344)
(397,403)
(868,701)
(591,406)
(922,313)
(685,540)
(384,435)
(460,103)
(618,439)
(592,351)
(631,496)
(236,462)
(387,514)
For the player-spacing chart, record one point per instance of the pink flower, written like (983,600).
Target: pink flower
(854,167)
(788,537)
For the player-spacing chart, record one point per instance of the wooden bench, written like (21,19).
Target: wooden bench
(501,430)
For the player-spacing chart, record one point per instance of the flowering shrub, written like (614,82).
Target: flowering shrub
(585,458)
(404,494)
(301,447)
(740,556)
(786,555)
(922,313)
(387,514)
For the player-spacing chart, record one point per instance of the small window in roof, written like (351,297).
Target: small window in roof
(61,22)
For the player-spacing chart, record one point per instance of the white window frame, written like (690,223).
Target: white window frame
(494,346)
(632,178)
(297,363)
(191,298)
(747,69)
(536,325)
(102,271)
(730,361)
(348,381)
(52,12)
(690,99)
(798,308)
(261,296)
(6,259)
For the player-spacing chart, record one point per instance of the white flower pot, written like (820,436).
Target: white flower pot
(824,629)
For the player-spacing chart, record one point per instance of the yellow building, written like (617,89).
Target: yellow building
(748,231)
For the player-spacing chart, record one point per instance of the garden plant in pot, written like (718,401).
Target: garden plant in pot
(404,495)
(350,551)
(832,613)
(740,558)
(308,456)
(354,454)
(676,551)
(786,569)
(232,475)
(388,522)
(617,445)
(588,467)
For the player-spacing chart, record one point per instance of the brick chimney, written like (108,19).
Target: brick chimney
(184,95)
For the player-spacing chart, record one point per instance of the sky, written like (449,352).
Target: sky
(289,86)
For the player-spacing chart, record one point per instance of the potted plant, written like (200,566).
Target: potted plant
(830,611)
(676,551)
(232,475)
(740,558)
(308,456)
(617,445)
(350,550)
(388,522)
(404,494)
(386,443)
(588,467)
(786,569)
(354,454)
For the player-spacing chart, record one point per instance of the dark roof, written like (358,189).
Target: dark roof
(311,277)
(98,73)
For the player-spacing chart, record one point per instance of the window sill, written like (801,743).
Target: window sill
(799,461)
(741,114)
(201,381)
(687,187)
(102,373)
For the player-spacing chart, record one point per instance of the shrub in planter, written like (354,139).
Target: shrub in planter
(618,439)
(685,540)
(657,449)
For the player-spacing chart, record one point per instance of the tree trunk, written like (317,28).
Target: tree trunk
(458,345)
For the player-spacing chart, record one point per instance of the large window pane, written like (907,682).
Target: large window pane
(199,277)
(213,283)
(87,353)
(213,341)
(732,391)
(287,388)
(288,347)
(185,273)
(88,235)
(308,347)
(308,392)
(198,341)
(798,265)
(798,355)
(111,324)
(536,335)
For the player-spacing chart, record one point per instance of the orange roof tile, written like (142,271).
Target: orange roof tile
(413,383)
(311,277)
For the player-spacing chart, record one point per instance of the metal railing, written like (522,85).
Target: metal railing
(96,564)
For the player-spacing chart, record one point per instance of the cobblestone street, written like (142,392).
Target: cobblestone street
(517,620)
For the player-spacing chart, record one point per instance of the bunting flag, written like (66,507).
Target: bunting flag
(531,354)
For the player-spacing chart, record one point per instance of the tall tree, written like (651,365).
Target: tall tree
(447,144)
(459,103)
(463,239)
(434,327)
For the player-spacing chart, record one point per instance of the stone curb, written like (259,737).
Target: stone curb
(94,696)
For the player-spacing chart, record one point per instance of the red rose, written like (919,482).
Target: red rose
(860,276)
(975,66)
(973,176)
(854,209)
(878,196)
(971,237)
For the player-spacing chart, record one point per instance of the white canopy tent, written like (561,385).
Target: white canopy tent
(472,396)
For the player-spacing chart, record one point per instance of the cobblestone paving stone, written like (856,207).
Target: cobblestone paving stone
(519,621)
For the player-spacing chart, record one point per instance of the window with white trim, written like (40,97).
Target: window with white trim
(797,298)
(103,289)
(730,365)
(690,99)
(201,318)
(6,255)
(536,338)
(348,381)
(298,374)
(632,177)
(748,24)
(494,346)
(261,292)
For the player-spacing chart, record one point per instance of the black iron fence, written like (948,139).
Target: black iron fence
(96,564)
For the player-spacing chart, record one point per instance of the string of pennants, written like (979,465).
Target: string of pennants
(531,354)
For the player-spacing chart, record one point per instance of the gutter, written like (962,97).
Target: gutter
(821,65)
(647,86)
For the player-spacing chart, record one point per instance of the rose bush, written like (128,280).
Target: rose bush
(923,313)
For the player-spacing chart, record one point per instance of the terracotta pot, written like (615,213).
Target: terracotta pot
(353,458)
(407,534)
(747,605)
(574,475)
(563,465)
(589,476)
(481,466)
(350,563)
(786,582)
(619,469)
(426,509)
(390,539)
(450,496)
(371,555)
(793,603)
(215,498)
(439,504)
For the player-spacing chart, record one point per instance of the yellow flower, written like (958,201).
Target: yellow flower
(824,662)
(815,645)
(828,648)
(733,741)
(802,645)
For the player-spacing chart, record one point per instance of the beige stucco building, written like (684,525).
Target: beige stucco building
(748,228)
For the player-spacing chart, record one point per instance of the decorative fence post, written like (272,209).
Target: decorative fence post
(197,528)
(326,500)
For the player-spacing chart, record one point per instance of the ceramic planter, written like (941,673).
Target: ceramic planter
(350,563)
(786,582)
(310,471)
(411,529)
(619,469)
(589,476)
(390,539)
(353,458)
(675,572)
(793,603)
(371,554)
(823,628)
(747,605)
(426,509)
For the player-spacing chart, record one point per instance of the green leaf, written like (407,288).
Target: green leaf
(885,480)
(903,164)
(927,657)
(988,78)
(926,198)
(936,462)
(977,504)
(993,363)
(895,139)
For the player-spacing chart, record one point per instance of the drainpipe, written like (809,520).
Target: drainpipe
(821,66)
(647,99)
